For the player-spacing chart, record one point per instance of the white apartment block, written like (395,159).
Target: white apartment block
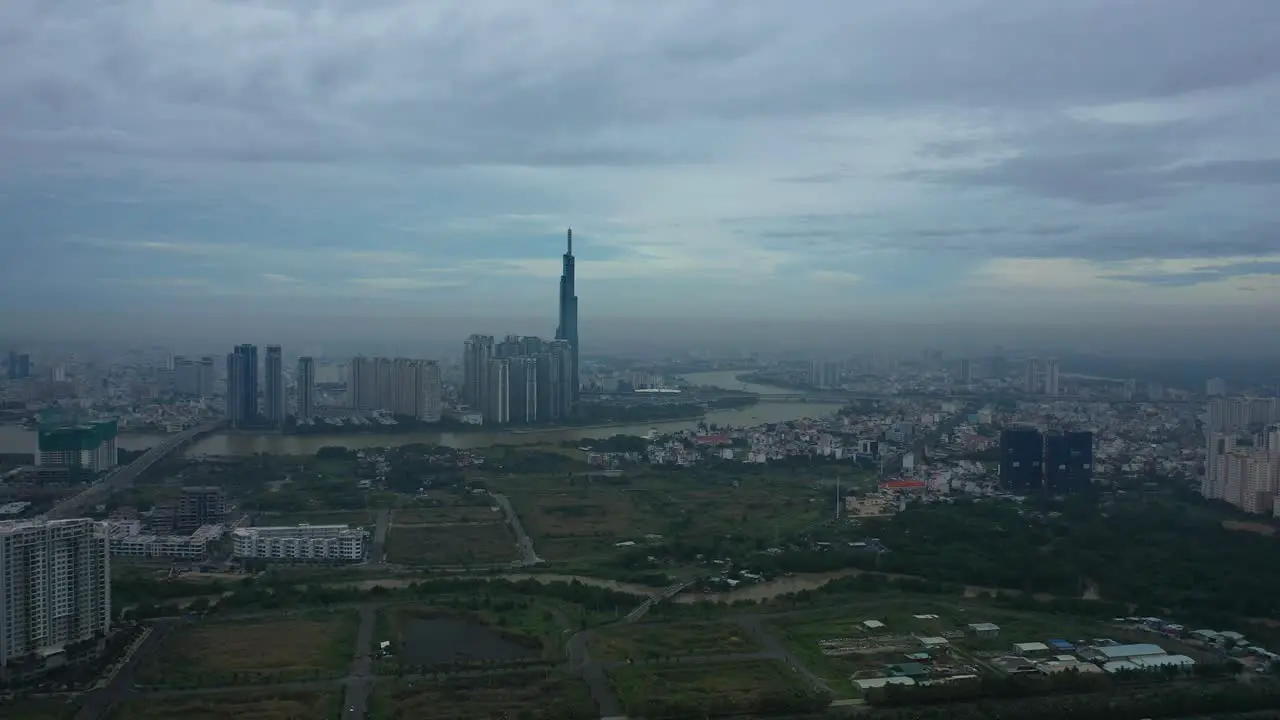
(55,589)
(127,540)
(1247,476)
(300,543)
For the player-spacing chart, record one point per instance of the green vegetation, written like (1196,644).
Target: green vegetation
(472,544)
(549,695)
(1165,557)
(291,705)
(359,518)
(51,709)
(758,686)
(254,651)
(668,640)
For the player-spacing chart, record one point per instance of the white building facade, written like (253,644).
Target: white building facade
(286,543)
(55,587)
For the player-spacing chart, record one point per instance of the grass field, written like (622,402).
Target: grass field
(248,705)
(233,652)
(544,696)
(451,544)
(318,517)
(38,710)
(739,683)
(445,514)
(637,642)
(571,519)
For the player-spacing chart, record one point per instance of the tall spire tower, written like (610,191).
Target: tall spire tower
(568,328)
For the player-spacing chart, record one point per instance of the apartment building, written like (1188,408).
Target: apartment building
(128,540)
(300,543)
(55,594)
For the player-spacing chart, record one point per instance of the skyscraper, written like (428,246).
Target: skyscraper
(498,392)
(306,381)
(405,397)
(273,408)
(362,384)
(1068,461)
(524,390)
(56,581)
(568,328)
(566,377)
(242,385)
(1031,375)
(1051,377)
(476,353)
(430,405)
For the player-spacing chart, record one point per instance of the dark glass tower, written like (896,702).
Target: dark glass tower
(1022,459)
(568,329)
(242,385)
(1068,462)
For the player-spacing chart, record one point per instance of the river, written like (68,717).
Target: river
(15,439)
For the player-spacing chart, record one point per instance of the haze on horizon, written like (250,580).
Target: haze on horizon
(990,170)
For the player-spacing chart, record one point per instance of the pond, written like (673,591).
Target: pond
(444,639)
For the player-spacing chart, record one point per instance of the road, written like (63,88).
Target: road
(123,477)
(359,680)
(527,555)
(96,703)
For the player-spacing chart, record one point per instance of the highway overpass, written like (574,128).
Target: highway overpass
(124,476)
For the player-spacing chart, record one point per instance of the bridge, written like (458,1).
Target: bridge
(667,594)
(123,477)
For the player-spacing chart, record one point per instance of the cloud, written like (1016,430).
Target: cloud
(298,150)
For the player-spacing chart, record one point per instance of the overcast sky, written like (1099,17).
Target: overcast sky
(917,159)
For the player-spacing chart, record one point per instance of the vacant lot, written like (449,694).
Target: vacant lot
(319,517)
(570,518)
(1253,527)
(546,697)
(431,636)
(451,544)
(738,685)
(247,651)
(249,705)
(638,642)
(445,514)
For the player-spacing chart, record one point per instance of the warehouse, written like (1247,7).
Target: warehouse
(1121,652)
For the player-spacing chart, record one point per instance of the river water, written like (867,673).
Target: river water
(14,439)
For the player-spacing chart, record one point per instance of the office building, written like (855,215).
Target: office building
(55,593)
(477,351)
(1022,459)
(89,447)
(300,543)
(19,365)
(567,329)
(1068,462)
(242,386)
(524,390)
(193,377)
(431,406)
(498,390)
(1215,387)
(1051,377)
(1031,375)
(305,379)
(273,407)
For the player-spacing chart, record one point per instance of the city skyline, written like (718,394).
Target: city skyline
(819,159)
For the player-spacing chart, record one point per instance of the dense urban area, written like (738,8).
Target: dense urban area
(917,537)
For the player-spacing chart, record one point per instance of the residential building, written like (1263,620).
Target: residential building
(200,505)
(1051,377)
(1215,387)
(273,407)
(90,447)
(566,381)
(404,387)
(550,394)
(1031,375)
(300,543)
(128,540)
(305,379)
(430,406)
(384,385)
(19,365)
(55,593)
(498,391)
(477,351)
(524,390)
(362,385)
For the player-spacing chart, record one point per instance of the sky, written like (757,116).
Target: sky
(327,163)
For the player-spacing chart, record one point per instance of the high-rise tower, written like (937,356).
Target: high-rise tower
(568,329)
(306,381)
(273,409)
(242,385)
